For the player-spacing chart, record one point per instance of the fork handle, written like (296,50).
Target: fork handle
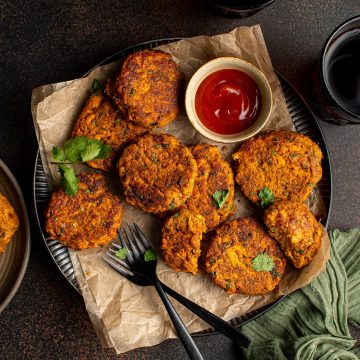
(181,329)
(216,322)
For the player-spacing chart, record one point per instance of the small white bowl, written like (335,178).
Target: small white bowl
(221,64)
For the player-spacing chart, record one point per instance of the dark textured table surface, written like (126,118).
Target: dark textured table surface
(49,41)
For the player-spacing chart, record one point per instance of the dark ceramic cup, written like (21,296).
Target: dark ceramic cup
(237,8)
(335,88)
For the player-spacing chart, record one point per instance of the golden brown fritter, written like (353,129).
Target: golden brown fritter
(181,240)
(287,163)
(296,229)
(215,178)
(147,88)
(86,220)
(157,173)
(9,222)
(101,120)
(231,254)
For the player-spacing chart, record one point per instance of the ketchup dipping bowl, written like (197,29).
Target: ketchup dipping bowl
(228,100)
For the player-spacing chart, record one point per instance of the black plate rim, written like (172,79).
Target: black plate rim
(120,54)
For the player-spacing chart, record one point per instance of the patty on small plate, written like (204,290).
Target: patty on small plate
(9,222)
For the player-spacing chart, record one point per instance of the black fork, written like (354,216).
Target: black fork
(135,256)
(123,267)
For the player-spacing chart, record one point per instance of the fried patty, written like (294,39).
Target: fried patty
(9,222)
(181,240)
(287,163)
(101,120)
(147,88)
(215,179)
(157,173)
(296,229)
(86,220)
(231,254)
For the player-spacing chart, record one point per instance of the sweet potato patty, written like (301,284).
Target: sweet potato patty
(9,222)
(181,240)
(147,88)
(287,163)
(101,120)
(231,254)
(86,220)
(157,173)
(296,229)
(215,179)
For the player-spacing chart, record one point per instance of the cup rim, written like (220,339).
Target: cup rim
(244,8)
(325,48)
(261,82)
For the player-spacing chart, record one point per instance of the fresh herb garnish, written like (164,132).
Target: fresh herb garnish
(149,255)
(78,149)
(299,251)
(97,87)
(274,229)
(164,146)
(219,197)
(228,285)
(266,197)
(172,206)
(58,154)
(121,253)
(262,262)
(69,181)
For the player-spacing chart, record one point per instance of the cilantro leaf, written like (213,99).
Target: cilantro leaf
(121,253)
(57,153)
(81,149)
(69,181)
(266,197)
(91,152)
(95,149)
(104,151)
(97,87)
(219,197)
(262,262)
(149,255)
(74,147)
(78,149)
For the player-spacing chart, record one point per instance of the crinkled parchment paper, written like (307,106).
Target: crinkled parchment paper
(124,315)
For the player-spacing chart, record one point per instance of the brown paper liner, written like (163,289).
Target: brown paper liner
(124,315)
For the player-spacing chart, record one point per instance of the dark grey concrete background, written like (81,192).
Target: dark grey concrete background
(48,41)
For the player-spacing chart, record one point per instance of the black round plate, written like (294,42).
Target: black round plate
(304,121)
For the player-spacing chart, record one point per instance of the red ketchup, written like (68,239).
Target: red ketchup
(228,101)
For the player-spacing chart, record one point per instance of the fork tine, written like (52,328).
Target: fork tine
(129,255)
(132,244)
(142,237)
(136,238)
(122,262)
(117,267)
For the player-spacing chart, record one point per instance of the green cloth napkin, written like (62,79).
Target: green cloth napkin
(312,323)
